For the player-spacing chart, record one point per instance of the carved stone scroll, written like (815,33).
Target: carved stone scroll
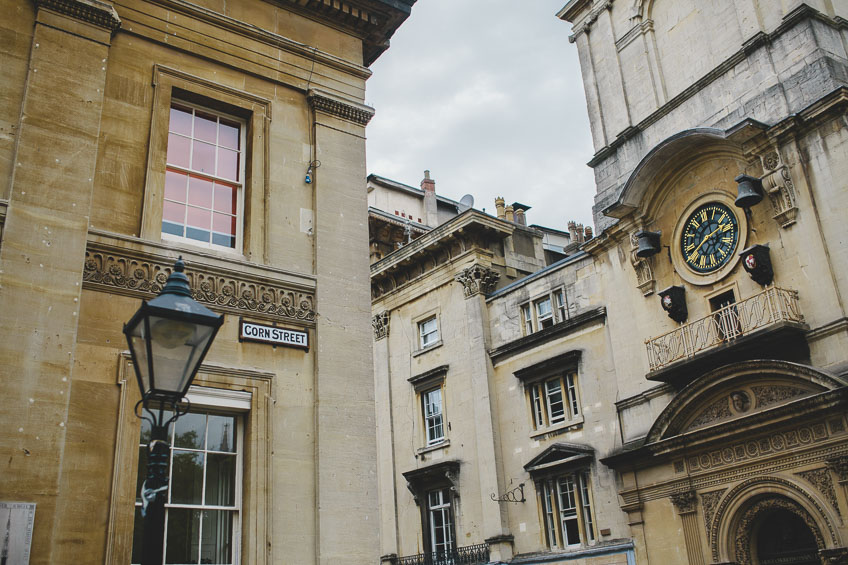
(778,185)
(380,323)
(644,273)
(477,279)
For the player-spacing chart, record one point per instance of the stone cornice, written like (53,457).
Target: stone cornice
(140,271)
(94,12)
(322,101)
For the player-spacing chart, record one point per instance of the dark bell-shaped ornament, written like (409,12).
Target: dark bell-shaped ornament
(673,301)
(648,243)
(750,191)
(757,263)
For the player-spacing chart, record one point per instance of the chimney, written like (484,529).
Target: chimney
(499,207)
(579,232)
(572,231)
(509,216)
(588,233)
(431,215)
(519,217)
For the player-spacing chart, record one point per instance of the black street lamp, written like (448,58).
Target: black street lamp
(168,339)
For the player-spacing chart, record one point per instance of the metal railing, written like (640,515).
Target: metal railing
(767,308)
(468,555)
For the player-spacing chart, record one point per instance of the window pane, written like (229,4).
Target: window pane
(224,240)
(200,192)
(205,126)
(224,224)
(190,431)
(175,186)
(180,120)
(187,477)
(216,546)
(220,479)
(203,158)
(556,408)
(543,307)
(221,433)
(228,164)
(173,212)
(228,134)
(199,218)
(142,471)
(183,536)
(225,198)
(179,149)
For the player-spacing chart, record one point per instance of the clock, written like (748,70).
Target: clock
(709,237)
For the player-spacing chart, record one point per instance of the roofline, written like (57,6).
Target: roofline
(407,188)
(541,272)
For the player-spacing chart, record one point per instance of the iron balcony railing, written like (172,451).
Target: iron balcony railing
(770,307)
(468,555)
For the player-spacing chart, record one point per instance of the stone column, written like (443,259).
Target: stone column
(478,280)
(686,505)
(346,447)
(42,256)
(838,467)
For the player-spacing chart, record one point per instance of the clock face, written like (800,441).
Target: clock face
(709,237)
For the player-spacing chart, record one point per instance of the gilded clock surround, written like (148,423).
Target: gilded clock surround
(678,260)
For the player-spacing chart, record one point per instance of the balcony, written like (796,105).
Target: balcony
(766,325)
(468,555)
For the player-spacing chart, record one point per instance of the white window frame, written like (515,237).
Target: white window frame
(566,499)
(428,338)
(434,422)
(443,509)
(545,409)
(222,402)
(535,319)
(240,198)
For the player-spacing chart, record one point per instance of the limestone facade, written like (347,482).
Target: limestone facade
(93,97)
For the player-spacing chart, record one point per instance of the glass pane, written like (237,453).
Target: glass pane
(571,531)
(190,430)
(200,192)
(224,224)
(228,134)
(199,235)
(187,477)
(138,536)
(205,126)
(225,198)
(203,158)
(173,212)
(178,150)
(183,536)
(175,186)
(224,240)
(175,229)
(220,479)
(221,433)
(228,164)
(180,120)
(142,471)
(199,218)
(216,546)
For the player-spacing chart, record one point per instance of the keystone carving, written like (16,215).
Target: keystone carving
(644,274)
(380,323)
(477,279)
(778,185)
(684,502)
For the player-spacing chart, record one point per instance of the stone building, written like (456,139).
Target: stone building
(135,131)
(673,390)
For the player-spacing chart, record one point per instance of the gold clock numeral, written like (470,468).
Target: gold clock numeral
(695,223)
(723,253)
(726,227)
(703,215)
(702,262)
(727,239)
(712,260)
(690,247)
(721,218)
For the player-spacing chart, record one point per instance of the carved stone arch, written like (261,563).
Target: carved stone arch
(706,393)
(730,531)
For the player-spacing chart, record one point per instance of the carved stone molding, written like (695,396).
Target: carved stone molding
(380,323)
(143,276)
(839,465)
(778,185)
(94,12)
(586,24)
(820,478)
(744,529)
(709,502)
(477,279)
(644,273)
(347,110)
(684,502)
(834,556)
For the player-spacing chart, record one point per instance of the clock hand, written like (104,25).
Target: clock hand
(703,241)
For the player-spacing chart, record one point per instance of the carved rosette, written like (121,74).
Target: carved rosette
(684,502)
(380,323)
(644,273)
(477,279)
(778,185)
(249,296)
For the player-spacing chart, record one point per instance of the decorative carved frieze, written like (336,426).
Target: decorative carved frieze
(744,528)
(235,292)
(778,185)
(644,273)
(839,465)
(346,110)
(380,323)
(477,279)
(709,503)
(820,478)
(684,502)
(774,394)
(758,447)
(718,410)
(94,12)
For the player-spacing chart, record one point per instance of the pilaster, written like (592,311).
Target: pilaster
(686,505)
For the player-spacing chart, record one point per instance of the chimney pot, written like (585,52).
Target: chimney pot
(510,215)
(499,207)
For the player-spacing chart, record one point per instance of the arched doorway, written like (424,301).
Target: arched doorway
(776,530)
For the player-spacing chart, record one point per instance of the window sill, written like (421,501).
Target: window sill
(436,446)
(557,429)
(430,347)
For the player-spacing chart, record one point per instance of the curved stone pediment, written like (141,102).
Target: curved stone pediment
(738,391)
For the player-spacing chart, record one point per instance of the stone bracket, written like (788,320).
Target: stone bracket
(778,185)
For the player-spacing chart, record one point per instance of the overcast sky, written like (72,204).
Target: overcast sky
(487,95)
